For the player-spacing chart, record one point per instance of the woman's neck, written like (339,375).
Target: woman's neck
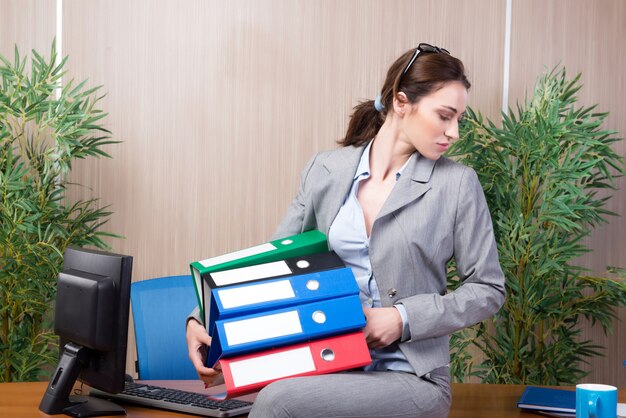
(388,153)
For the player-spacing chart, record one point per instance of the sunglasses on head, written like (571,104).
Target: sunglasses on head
(424,48)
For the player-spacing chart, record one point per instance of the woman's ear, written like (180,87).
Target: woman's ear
(401,104)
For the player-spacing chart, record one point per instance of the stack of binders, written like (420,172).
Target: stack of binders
(291,310)
(310,242)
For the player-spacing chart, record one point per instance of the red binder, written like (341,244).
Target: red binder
(249,373)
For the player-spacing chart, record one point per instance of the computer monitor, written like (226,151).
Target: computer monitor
(91,319)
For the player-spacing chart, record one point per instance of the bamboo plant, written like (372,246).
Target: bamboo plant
(44,127)
(547,172)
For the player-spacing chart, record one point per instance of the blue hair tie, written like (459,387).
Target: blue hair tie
(378,104)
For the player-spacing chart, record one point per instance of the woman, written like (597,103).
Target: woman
(396,212)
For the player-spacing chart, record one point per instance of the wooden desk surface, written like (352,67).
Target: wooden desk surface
(21,400)
(468,400)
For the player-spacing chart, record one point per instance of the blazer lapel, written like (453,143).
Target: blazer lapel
(341,166)
(413,183)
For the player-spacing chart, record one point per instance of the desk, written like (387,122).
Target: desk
(468,400)
(21,400)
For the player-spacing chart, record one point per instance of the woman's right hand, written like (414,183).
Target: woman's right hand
(197,342)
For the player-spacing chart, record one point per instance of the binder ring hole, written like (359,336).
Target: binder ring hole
(312,285)
(302,264)
(327,354)
(286,242)
(319,317)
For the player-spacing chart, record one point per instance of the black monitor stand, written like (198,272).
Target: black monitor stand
(57,399)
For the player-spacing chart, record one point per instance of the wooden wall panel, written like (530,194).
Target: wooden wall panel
(586,37)
(220,104)
(29,24)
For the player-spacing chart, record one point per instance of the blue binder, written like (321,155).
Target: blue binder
(268,329)
(249,298)
(309,242)
(548,400)
(303,264)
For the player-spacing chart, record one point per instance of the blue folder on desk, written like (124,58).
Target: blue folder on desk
(268,329)
(302,264)
(249,298)
(546,399)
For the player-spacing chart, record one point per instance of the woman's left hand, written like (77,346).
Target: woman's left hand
(383,326)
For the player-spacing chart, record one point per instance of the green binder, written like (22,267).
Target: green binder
(309,242)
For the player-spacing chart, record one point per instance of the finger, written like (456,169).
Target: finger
(213,380)
(204,339)
(370,340)
(208,372)
(198,359)
(209,376)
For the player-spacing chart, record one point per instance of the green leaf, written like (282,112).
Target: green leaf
(40,136)
(541,168)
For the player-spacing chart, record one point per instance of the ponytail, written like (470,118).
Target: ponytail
(365,122)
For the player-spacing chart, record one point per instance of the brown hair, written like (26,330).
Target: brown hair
(427,74)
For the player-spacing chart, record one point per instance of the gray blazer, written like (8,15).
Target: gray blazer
(436,211)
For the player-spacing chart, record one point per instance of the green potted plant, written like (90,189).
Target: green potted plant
(44,127)
(547,173)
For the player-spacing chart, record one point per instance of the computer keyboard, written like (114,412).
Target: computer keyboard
(176,400)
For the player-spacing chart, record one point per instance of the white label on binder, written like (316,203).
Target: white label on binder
(251,295)
(247,252)
(247,274)
(272,366)
(262,328)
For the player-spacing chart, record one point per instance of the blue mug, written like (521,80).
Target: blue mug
(596,401)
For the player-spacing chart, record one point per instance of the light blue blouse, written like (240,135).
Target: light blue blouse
(348,238)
